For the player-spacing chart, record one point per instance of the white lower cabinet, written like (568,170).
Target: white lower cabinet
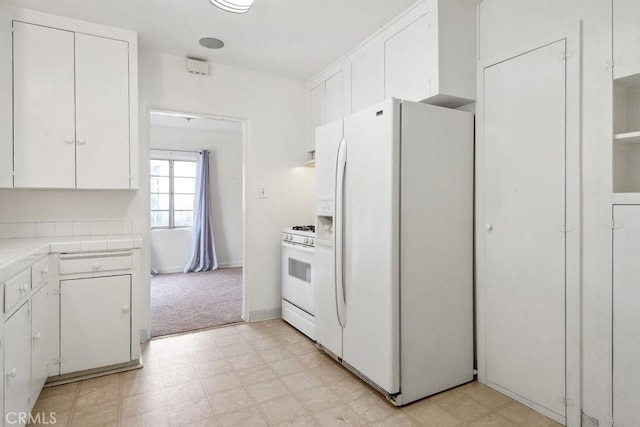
(95,322)
(17,367)
(626,316)
(41,340)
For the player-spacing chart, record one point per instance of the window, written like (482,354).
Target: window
(173,184)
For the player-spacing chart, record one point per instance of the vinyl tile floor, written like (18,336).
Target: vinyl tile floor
(259,374)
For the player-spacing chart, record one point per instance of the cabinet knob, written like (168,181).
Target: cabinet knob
(489,227)
(44,271)
(12,373)
(36,337)
(24,288)
(81,141)
(97,265)
(69,141)
(125,308)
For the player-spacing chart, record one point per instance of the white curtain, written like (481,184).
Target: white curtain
(203,248)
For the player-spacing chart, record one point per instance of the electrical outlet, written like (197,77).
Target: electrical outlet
(263,193)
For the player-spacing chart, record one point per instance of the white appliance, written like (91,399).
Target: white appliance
(394,248)
(297,278)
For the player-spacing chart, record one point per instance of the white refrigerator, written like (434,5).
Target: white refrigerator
(394,247)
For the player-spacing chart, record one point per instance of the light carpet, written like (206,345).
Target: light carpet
(187,302)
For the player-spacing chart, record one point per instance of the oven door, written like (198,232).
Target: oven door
(297,275)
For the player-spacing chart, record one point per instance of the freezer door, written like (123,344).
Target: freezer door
(371,239)
(327,327)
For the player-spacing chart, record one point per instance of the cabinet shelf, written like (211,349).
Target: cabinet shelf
(628,137)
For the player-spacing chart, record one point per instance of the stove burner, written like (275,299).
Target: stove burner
(311,228)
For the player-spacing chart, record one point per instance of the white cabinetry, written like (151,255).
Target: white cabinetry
(407,62)
(626,316)
(317,100)
(626,38)
(367,79)
(75,104)
(333,98)
(427,54)
(41,339)
(95,322)
(17,365)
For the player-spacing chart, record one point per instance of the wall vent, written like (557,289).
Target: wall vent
(197,66)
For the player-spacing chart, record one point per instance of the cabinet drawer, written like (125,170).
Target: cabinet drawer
(16,288)
(39,272)
(82,263)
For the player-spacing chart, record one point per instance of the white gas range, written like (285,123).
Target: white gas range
(298,253)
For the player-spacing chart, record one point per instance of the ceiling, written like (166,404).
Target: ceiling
(179,121)
(293,38)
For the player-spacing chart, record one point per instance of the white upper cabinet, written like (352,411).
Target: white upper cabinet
(626,38)
(427,54)
(333,98)
(75,104)
(407,62)
(102,104)
(44,107)
(367,79)
(317,99)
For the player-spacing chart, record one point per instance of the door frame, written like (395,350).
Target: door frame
(146,152)
(573,222)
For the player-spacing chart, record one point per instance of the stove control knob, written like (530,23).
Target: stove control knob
(289,237)
(306,241)
(311,241)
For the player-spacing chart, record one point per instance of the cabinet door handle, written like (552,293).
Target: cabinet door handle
(44,271)
(81,141)
(69,141)
(97,265)
(489,227)
(36,337)
(24,288)
(12,373)
(125,308)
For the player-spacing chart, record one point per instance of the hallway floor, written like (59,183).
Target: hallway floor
(261,374)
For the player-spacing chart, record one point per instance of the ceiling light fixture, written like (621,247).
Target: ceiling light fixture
(233,6)
(211,43)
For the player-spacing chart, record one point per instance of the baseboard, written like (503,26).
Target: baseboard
(230,264)
(259,315)
(171,270)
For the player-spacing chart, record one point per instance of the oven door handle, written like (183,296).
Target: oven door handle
(338,235)
(301,248)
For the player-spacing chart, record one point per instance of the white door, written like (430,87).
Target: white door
(367,79)
(44,107)
(317,99)
(626,315)
(524,208)
(333,98)
(17,365)
(95,322)
(626,37)
(297,276)
(40,340)
(102,112)
(371,244)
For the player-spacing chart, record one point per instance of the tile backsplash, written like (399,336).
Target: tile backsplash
(10,230)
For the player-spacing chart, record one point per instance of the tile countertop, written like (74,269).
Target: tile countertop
(18,254)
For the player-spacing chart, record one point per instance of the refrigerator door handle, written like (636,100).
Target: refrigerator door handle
(338,234)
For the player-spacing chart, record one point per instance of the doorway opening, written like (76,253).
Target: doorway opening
(186,293)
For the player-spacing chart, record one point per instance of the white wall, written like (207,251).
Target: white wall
(505,24)
(170,249)
(225,171)
(273,150)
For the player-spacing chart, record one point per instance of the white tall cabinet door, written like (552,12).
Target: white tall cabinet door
(524,210)
(371,337)
(102,112)
(17,364)
(44,107)
(626,315)
(367,79)
(626,38)
(95,322)
(407,62)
